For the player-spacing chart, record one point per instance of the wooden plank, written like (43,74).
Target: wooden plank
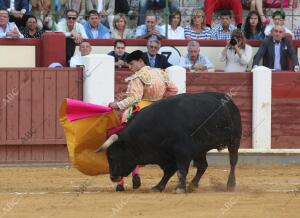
(36,142)
(61,153)
(37,107)
(12,104)
(25,153)
(2,153)
(3,103)
(285,141)
(62,92)
(49,153)
(50,107)
(285,118)
(80,85)
(12,153)
(74,80)
(25,130)
(37,152)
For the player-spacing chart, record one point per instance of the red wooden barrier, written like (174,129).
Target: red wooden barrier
(30,129)
(285,110)
(30,99)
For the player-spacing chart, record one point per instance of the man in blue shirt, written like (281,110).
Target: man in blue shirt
(94,28)
(194,61)
(150,29)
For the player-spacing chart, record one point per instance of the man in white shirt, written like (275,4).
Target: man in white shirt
(85,49)
(71,27)
(7,29)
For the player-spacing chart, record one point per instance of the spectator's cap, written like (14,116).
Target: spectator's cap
(135,55)
(55,65)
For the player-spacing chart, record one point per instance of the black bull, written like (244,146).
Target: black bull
(174,131)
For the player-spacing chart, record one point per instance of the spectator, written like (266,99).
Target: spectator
(17,10)
(237,54)
(106,10)
(223,31)
(55,65)
(297,32)
(42,11)
(85,49)
(175,31)
(71,27)
(76,5)
(278,19)
(210,6)
(152,58)
(7,29)
(119,54)
(150,29)
(194,61)
(144,5)
(275,51)
(94,28)
(73,30)
(198,29)
(259,7)
(253,27)
(31,30)
(121,7)
(119,28)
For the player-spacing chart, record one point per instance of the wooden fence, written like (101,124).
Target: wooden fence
(30,101)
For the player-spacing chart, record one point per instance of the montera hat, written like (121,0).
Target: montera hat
(135,55)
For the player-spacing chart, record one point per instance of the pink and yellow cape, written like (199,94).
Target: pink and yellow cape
(86,127)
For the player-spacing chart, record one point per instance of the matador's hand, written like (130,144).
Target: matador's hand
(113,105)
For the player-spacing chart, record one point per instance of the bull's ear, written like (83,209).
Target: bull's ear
(113,138)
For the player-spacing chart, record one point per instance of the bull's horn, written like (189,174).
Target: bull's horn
(108,143)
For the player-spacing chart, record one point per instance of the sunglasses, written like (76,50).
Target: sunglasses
(154,47)
(72,18)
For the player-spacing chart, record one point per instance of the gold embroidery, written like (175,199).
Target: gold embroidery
(143,74)
(165,77)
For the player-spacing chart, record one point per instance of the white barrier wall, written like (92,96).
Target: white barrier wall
(262,96)
(98,79)
(177,74)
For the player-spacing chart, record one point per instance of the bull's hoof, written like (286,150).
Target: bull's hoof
(136,181)
(156,189)
(192,187)
(231,185)
(120,188)
(231,188)
(179,190)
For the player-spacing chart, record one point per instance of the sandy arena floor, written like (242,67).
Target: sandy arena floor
(262,191)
